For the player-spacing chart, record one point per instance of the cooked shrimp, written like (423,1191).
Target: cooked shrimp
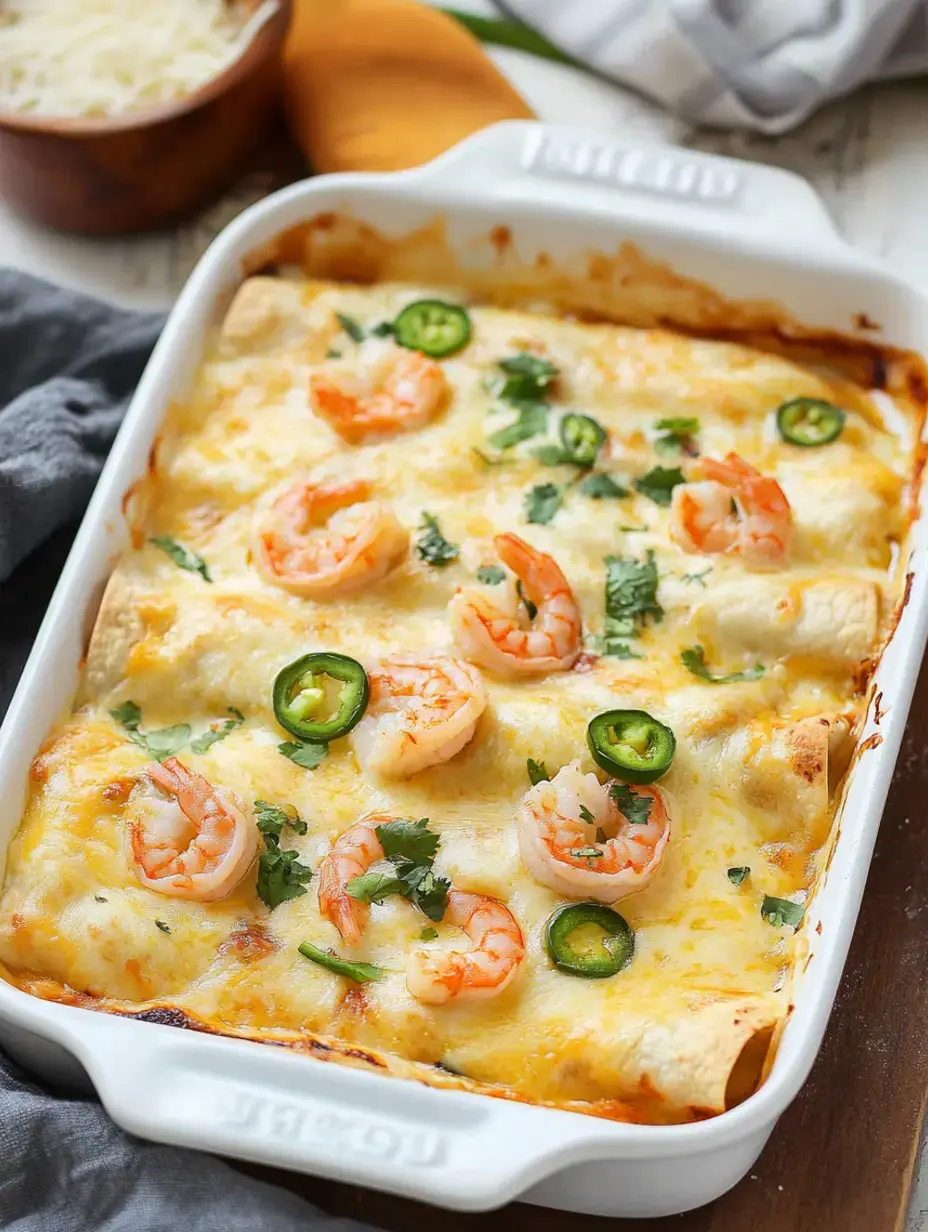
(185,838)
(319,539)
(735,509)
(405,391)
(421,712)
(491,964)
(559,846)
(502,638)
(352,855)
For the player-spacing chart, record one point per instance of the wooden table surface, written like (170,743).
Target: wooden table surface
(842,1157)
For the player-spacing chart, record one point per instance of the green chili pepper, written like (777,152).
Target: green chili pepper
(809,421)
(589,940)
(432,327)
(581,438)
(631,745)
(299,693)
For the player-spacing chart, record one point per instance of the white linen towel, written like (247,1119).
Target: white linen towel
(760,64)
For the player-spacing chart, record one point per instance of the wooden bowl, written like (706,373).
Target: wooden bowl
(128,173)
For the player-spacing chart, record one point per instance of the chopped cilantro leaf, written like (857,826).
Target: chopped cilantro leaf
(550,455)
(181,556)
(428,934)
(427,891)
(542,502)
(160,924)
(491,575)
(432,545)
(586,853)
(129,715)
(98,898)
(631,600)
(306,755)
(694,660)
(532,420)
(634,808)
(410,847)
(614,648)
(696,577)
(738,874)
(383,329)
(409,840)
(351,327)
(658,484)
(166,741)
(585,814)
(780,912)
(537,772)
(677,433)
(360,972)
(599,486)
(374,887)
(218,731)
(281,876)
(159,744)
(272,818)
(528,377)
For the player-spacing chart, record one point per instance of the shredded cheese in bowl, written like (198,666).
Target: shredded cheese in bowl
(112,57)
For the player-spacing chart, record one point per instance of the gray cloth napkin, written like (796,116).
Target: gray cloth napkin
(68,365)
(761,64)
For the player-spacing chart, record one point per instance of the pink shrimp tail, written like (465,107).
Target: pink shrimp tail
(540,573)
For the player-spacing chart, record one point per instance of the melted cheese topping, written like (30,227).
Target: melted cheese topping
(750,783)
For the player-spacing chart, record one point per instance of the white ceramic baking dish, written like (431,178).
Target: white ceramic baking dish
(748,231)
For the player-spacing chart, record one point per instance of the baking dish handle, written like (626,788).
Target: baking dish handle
(272,1107)
(554,164)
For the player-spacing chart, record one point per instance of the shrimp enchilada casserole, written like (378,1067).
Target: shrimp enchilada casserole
(475,698)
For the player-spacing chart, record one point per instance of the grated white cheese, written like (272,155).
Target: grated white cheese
(109,57)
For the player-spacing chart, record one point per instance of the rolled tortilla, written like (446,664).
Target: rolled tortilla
(702,1059)
(783,773)
(267,316)
(835,620)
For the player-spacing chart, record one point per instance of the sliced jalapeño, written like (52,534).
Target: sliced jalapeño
(433,327)
(581,439)
(589,940)
(301,699)
(809,422)
(631,745)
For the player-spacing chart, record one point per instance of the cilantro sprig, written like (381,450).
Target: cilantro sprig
(694,660)
(676,435)
(218,731)
(634,808)
(659,482)
(281,876)
(410,847)
(537,772)
(360,972)
(491,575)
(542,502)
(780,912)
(164,742)
(181,556)
(526,389)
(631,602)
(432,545)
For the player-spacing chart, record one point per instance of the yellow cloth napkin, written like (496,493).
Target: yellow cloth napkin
(378,85)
